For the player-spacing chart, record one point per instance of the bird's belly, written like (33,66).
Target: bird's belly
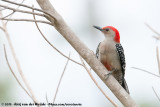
(110,60)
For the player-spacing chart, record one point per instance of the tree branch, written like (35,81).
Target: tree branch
(14,74)
(11,14)
(60,80)
(23,5)
(16,60)
(88,71)
(8,15)
(2,29)
(153,30)
(146,71)
(53,45)
(27,20)
(29,7)
(47,100)
(158,60)
(156,93)
(86,54)
(22,11)
(7,5)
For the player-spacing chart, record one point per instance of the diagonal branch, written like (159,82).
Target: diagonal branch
(47,100)
(15,74)
(86,54)
(8,15)
(115,105)
(156,93)
(158,60)
(2,29)
(16,60)
(53,45)
(60,80)
(153,30)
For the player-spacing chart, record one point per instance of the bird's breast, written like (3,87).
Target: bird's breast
(108,55)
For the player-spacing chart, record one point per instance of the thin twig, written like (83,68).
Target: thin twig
(23,5)
(156,93)
(146,71)
(60,80)
(156,37)
(115,105)
(15,74)
(16,60)
(11,14)
(8,15)
(7,5)
(53,45)
(28,20)
(2,29)
(153,30)
(22,11)
(47,100)
(158,60)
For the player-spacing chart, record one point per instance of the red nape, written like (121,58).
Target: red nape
(117,37)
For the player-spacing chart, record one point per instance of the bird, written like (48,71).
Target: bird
(111,54)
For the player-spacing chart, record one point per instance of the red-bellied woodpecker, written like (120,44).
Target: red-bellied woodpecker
(111,54)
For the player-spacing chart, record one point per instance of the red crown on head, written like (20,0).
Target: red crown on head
(117,35)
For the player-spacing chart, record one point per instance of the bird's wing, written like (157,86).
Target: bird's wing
(121,55)
(97,51)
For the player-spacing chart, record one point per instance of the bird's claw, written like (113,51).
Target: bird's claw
(106,76)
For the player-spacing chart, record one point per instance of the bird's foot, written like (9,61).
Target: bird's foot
(106,76)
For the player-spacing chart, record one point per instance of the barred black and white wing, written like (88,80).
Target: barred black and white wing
(121,55)
(97,51)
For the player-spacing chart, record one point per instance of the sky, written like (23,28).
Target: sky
(43,66)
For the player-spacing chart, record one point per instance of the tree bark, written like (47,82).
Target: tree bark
(86,54)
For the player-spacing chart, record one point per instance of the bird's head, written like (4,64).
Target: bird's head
(110,32)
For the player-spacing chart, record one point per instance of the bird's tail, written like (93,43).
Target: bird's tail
(125,86)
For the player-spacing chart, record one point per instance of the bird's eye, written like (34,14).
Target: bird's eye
(107,29)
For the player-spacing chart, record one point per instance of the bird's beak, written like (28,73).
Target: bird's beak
(97,27)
